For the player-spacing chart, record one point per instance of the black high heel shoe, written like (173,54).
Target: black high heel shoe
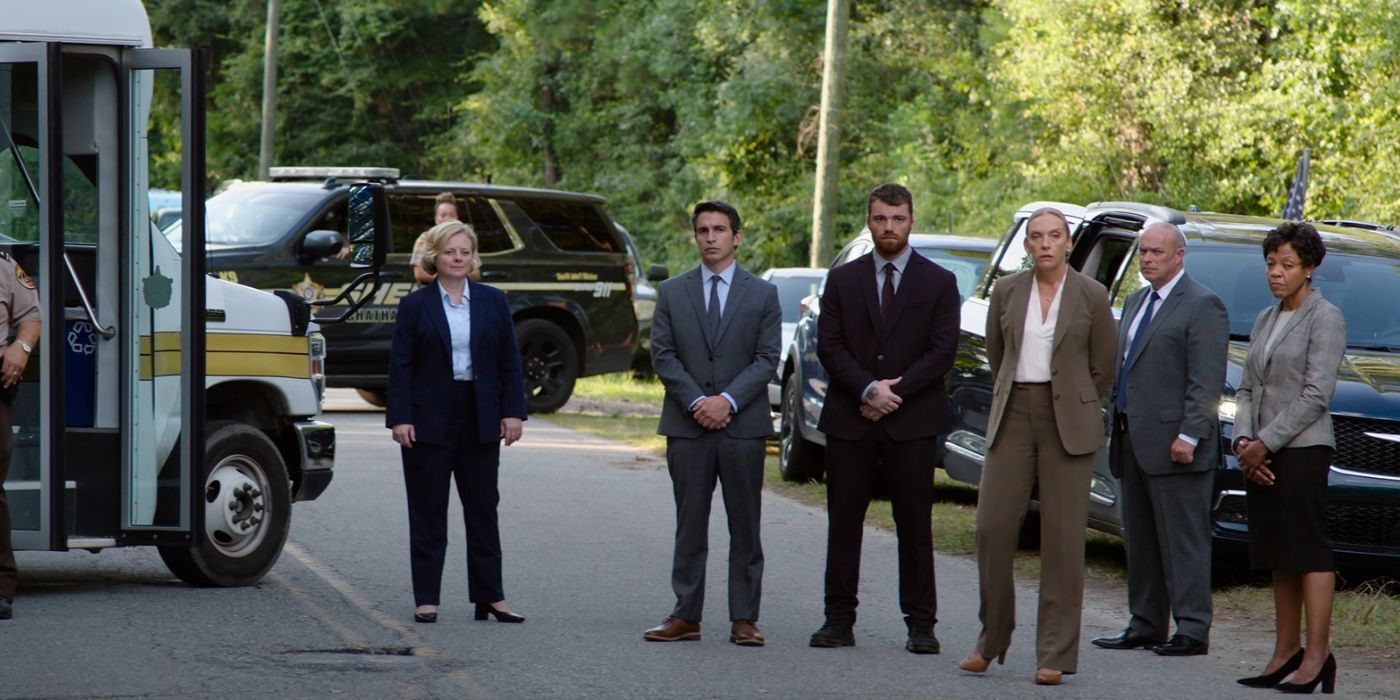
(1270,680)
(1327,677)
(483,610)
(428,617)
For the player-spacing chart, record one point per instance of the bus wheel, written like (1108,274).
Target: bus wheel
(247,511)
(549,363)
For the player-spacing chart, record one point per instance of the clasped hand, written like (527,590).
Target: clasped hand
(712,412)
(1254,461)
(882,400)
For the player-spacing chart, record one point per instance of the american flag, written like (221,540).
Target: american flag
(1298,192)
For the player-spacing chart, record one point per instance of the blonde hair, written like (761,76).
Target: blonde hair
(436,238)
(1049,211)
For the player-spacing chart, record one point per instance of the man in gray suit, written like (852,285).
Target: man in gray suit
(1172,342)
(714,344)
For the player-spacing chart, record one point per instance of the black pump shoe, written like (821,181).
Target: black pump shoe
(425,617)
(483,611)
(1270,680)
(1327,677)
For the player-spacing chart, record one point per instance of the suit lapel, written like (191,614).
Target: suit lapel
(737,289)
(695,289)
(1130,310)
(476,306)
(1159,315)
(1017,310)
(439,317)
(1069,306)
(867,287)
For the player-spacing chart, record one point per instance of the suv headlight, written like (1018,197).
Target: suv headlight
(317,353)
(1227,409)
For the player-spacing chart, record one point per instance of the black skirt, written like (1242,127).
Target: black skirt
(1288,521)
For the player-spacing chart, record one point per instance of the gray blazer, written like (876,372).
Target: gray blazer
(740,361)
(1175,378)
(1284,395)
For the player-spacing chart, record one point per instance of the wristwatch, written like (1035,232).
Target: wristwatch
(26,347)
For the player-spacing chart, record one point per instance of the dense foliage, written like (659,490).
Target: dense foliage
(977,105)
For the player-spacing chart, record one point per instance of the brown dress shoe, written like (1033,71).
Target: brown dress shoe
(745,633)
(673,629)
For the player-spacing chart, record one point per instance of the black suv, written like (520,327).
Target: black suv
(1361,275)
(558,255)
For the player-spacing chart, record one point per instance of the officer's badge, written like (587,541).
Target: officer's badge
(23,277)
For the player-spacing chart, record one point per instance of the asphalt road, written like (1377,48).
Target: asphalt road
(587,529)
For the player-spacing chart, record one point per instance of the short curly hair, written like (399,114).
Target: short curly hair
(436,238)
(1304,238)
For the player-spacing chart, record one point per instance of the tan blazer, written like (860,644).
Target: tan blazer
(1082,357)
(1284,395)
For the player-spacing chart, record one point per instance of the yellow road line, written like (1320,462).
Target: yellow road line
(352,595)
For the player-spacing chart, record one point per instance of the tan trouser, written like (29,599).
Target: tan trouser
(1027,450)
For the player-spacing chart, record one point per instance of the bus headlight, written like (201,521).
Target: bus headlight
(317,353)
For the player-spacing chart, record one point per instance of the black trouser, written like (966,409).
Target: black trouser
(853,470)
(9,573)
(428,473)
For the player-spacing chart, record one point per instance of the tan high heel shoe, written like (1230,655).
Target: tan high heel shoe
(1048,676)
(974,662)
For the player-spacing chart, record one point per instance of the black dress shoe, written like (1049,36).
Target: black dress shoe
(1127,639)
(425,617)
(922,642)
(6,610)
(830,636)
(483,610)
(1181,645)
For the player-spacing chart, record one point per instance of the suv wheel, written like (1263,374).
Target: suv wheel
(549,363)
(374,397)
(798,459)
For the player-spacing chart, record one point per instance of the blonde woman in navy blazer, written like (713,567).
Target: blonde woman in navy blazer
(455,393)
(1283,436)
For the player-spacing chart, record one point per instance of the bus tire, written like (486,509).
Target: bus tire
(549,362)
(247,511)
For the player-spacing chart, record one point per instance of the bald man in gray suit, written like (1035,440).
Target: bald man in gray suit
(1172,341)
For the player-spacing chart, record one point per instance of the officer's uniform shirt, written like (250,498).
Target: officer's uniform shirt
(19,299)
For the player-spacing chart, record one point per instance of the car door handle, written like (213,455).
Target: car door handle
(493,274)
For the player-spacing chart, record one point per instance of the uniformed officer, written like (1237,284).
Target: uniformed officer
(19,309)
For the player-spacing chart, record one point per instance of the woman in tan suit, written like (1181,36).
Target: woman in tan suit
(1283,436)
(1051,343)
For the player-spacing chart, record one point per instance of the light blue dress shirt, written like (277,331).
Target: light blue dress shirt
(459,322)
(726,280)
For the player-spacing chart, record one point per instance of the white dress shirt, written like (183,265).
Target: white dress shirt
(1038,337)
(1162,293)
(459,323)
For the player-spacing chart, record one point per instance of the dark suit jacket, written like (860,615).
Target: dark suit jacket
(1081,355)
(740,361)
(1175,378)
(420,365)
(918,343)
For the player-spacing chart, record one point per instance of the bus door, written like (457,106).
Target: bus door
(163,293)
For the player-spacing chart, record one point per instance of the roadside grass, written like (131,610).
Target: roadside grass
(1366,615)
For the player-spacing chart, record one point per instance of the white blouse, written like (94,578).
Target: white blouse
(1038,338)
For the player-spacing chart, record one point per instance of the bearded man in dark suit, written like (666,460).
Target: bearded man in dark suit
(887,335)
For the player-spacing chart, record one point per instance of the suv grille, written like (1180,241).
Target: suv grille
(1347,524)
(1359,452)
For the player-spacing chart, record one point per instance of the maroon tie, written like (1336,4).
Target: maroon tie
(887,292)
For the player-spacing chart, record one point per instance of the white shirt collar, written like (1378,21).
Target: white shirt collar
(1167,288)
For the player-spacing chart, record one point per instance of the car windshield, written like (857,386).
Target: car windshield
(248,216)
(792,289)
(1364,288)
(966,265)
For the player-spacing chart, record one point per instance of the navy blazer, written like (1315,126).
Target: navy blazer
(420,365)
(918,343)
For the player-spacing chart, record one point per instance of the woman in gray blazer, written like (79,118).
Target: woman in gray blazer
(1283,437)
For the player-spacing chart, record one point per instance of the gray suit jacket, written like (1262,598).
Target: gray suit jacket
(740,361)
(1175,378)
(1284,395)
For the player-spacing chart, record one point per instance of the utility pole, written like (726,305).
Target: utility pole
(269,104)
(829,131)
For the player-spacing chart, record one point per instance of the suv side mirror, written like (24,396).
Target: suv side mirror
(657,272)
(369,225)
(318,244)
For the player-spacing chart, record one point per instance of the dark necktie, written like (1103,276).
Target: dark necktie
(1139,336)
(887,292)
(712,313)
